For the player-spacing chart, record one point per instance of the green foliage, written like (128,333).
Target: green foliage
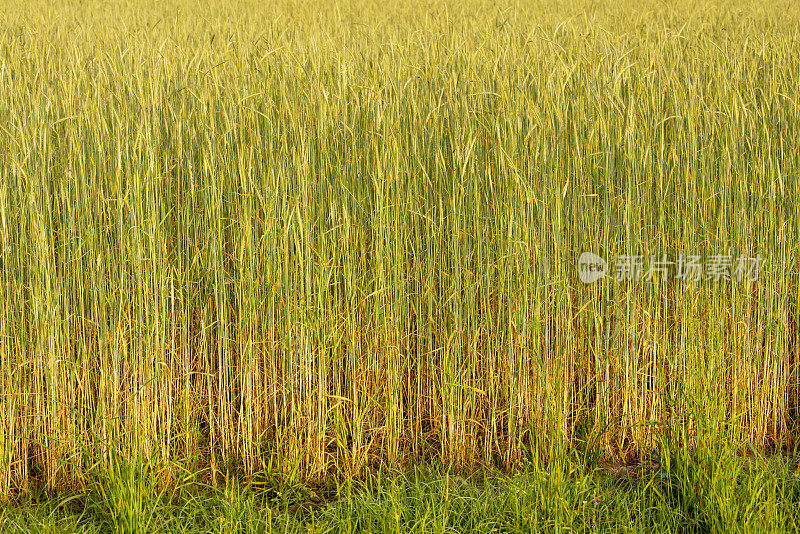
(124,496)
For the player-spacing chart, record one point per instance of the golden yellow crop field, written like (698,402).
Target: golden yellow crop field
(319,239)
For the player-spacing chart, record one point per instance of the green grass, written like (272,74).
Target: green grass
(694,493)
(704,487)
(301,245)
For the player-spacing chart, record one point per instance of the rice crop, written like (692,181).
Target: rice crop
(313,240)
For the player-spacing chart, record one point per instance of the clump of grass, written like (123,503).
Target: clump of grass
(125,496)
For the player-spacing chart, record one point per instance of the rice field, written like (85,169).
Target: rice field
(313,240)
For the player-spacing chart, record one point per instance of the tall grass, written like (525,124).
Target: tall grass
(313,240)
